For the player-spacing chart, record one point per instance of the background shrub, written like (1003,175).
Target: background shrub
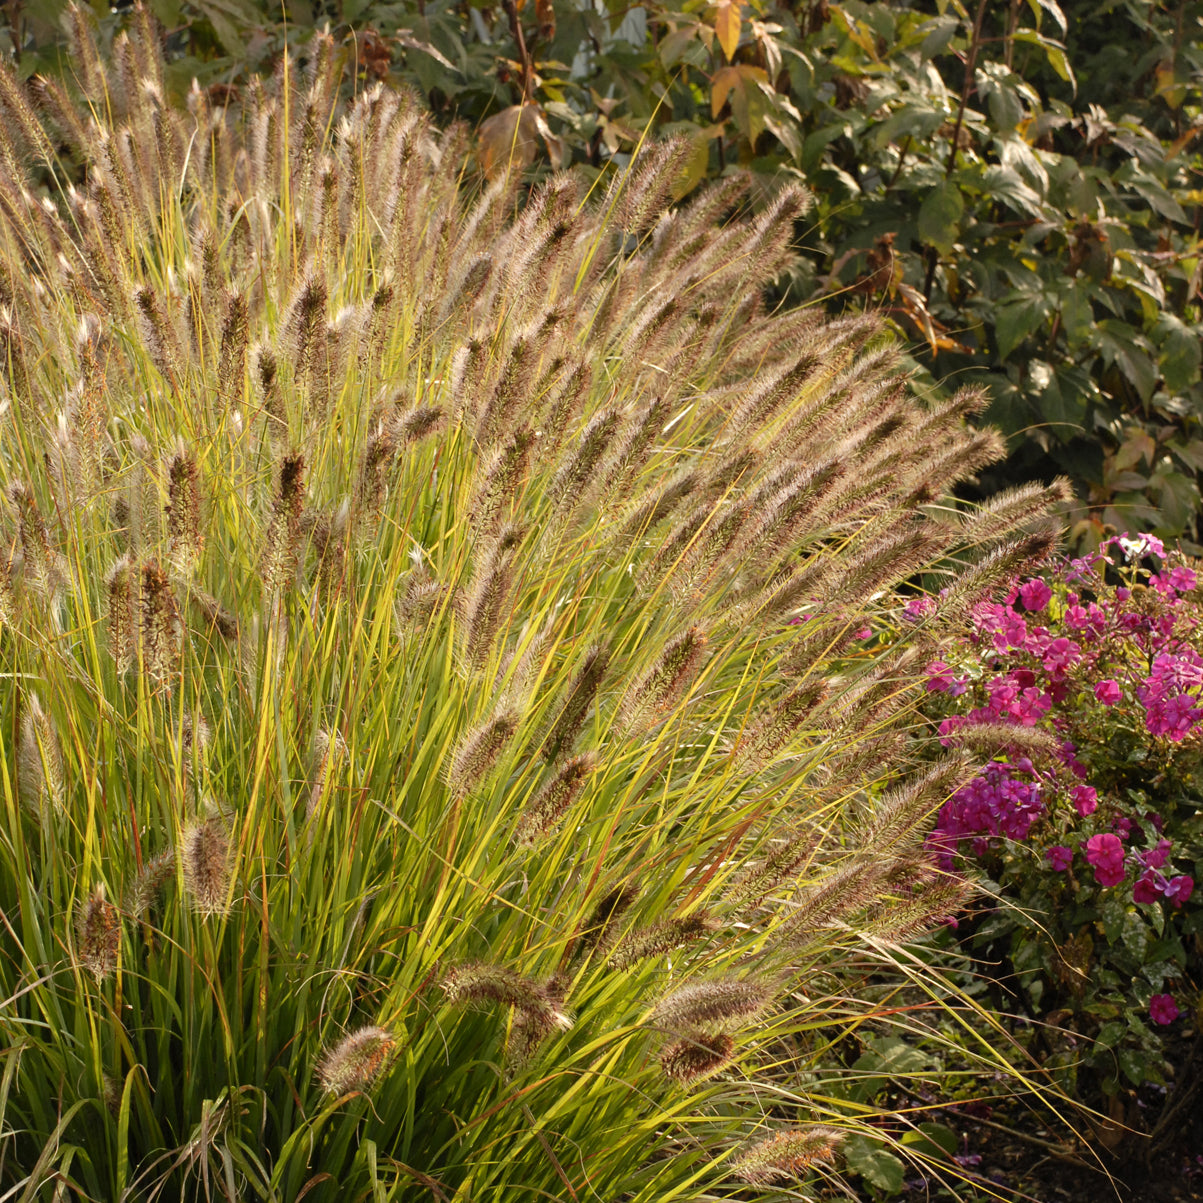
(1091,826)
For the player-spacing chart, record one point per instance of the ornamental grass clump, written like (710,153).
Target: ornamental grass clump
(447,700)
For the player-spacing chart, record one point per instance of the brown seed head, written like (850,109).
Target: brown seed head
(356,1061)
(208,866)
(97,934)
(712,1004)
(786,1156)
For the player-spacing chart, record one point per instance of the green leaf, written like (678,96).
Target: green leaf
(1061,409)
(1015,320)
(940,216)
(1077,312)
(874,1164)
(1123,345)
(932,1140)
(1137,1067)
(1178,353)
(1054,52)
(1053,10)
(1135,935)
(229,18)
(941,31)
(1006,184)
(1006,109)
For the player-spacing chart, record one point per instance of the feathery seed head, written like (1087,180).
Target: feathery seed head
(659,690)
(231,359)
(40,777)
(97,934)
(282,547)
(207,857)
(552,802)
(663,937)
(600,929)
(149,883)
(183,514)
(697,1056)
(356,1061)
(479,751)
(478,982)
(161,628)
(786,1156)
(578,701)
(120,584)
(712,1004)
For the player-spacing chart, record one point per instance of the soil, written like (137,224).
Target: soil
(1150,1150)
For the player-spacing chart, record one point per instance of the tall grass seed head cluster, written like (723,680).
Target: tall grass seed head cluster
(414,781)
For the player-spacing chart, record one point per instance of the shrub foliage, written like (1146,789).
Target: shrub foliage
(418,781)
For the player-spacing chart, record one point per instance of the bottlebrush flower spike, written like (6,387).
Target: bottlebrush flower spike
(478,982)
(356,1061)
(712,1004)
(208,863)
(696,1057)
(785,1156)
(97,934)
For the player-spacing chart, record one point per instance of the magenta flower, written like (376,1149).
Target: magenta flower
(1085,799)
(1178,889)
(1179,580)
(1137,548)
(1170,708)
(1183,579)
(1145,889)
(939,677)
(918,608)
(1108,692)
(1061,654)
(1106,854)
(1035,595)
(1156,856)
(1059,857)
(1163,1009)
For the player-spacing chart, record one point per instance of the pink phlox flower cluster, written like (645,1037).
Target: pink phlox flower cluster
(1059,857)
(1000,624)
(1135,548)
(1067,755)
(1163,1009)
(1177,580)
(1059,656)
(1082,569)
(1085,799)
(1155,857)
(1090,620)
(997,802)
(1035,595)
(1170,694)
(1106,853)
(1152,885)
(940,679)
(1108,692)
(919,608)
(1011,698)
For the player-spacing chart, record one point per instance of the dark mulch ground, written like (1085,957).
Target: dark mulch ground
(1150,1150)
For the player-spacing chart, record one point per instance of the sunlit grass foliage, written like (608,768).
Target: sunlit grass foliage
(417,782)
